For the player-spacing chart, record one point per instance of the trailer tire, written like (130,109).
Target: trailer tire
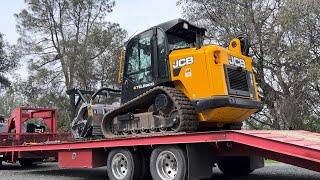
(124,164)
(168,162)
(235,166)
(145,154)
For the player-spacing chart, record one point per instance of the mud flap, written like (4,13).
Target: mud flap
(200,161)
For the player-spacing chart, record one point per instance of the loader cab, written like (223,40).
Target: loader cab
(146,57)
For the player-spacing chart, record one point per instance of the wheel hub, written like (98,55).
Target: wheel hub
(119,166)
(167,165)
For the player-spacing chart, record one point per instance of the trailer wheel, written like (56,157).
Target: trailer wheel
(235,166)
(124,164)
(168,162)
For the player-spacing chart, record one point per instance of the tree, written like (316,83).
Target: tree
(69,44)
(67,38)
(8,61)
(10,99)
(285,49)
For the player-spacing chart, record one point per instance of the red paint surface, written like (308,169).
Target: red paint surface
(84,158)
(299,151)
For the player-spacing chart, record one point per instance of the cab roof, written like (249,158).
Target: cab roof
(171,26)
(175,26)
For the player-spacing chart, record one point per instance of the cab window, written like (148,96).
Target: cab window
(139,59)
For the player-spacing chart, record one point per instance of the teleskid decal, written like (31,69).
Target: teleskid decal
(143,86)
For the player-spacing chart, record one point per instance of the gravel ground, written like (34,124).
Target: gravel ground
(50,171)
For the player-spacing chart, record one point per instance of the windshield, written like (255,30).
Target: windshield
(176,42)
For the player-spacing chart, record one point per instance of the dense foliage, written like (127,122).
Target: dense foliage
(285,46)
(66,44)
(8,61)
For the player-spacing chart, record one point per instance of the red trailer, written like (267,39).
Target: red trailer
(28,126)
(167,156)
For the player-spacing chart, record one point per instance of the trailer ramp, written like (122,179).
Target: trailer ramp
(299,148)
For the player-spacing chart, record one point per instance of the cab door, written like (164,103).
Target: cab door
(138,75)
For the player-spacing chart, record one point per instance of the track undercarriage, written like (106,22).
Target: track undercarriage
(161,109)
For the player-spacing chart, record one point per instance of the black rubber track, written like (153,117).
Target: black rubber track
(187,114)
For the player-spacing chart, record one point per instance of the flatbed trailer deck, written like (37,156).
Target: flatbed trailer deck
(299,148)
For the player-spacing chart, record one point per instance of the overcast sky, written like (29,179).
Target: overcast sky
(132,15)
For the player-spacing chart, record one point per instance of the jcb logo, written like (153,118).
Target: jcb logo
(182,62)
(237,62)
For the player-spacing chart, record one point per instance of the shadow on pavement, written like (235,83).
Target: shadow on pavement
(100,173)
